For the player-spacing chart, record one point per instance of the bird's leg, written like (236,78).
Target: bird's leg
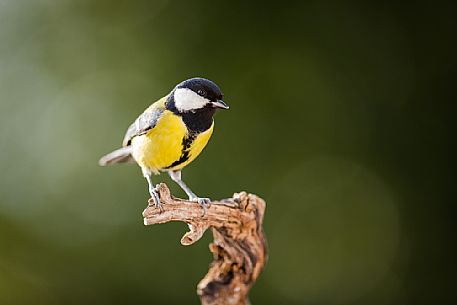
(153,191)
(176,177)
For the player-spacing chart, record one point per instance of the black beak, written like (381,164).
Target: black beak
(220,104)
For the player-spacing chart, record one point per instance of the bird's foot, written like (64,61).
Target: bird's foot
(204,202)
(155,198)
(152,202)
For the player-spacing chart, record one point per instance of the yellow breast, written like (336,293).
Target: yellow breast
(168,146)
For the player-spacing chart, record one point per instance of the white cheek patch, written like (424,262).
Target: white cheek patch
(187,100)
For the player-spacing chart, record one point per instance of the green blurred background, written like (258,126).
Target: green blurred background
(341,118)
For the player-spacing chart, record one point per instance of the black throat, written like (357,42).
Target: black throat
(197,121)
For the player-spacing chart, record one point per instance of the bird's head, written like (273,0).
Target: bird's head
(196,94)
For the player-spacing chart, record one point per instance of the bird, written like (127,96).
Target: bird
(171,133)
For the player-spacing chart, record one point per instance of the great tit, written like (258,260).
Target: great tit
(171,133)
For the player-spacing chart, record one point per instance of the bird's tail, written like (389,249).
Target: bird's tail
(120,155)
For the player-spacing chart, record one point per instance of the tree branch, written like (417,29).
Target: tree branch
(239,247)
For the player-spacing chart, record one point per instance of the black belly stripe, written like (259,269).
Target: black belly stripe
(185,153)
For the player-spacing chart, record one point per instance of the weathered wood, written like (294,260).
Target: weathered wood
(239,246)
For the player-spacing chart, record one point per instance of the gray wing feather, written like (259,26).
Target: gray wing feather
(121,155)
(145,122)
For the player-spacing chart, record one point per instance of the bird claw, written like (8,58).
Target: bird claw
(155,200)
(204,202)
(153,203)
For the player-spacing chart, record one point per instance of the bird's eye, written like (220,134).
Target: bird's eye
(201,92)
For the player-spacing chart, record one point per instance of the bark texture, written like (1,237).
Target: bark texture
(239,246)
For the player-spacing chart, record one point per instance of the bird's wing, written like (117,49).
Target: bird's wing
(145,122)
